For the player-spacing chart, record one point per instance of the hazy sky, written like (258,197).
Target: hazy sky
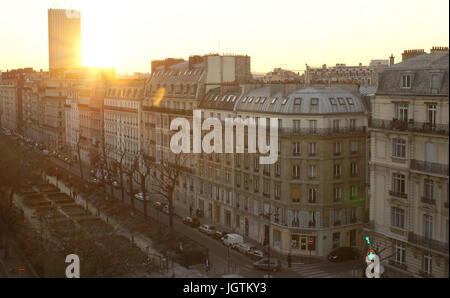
(277,33)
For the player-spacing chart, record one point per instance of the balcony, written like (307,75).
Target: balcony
(428,243)
(429,167)
(411,126)
(321,131)
(397,194)
(428,201)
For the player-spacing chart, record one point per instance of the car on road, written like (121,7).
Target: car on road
(140,196)
(191,221)
(232,240)
(245,248)
(266,264)
(343,254)
(207,229)
(256,254)
(218,235)
(166,210)
(116,184)
(96,181)
(158,205)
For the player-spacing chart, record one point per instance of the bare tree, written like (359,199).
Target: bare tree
(143,171)
(166,178)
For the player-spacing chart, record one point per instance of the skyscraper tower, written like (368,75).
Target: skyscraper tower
(64,39)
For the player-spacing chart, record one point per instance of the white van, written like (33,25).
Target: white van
(232,240)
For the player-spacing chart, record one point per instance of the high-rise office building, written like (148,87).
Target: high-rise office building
(64,39)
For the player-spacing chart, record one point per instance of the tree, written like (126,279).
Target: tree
(143,172)
(166,176)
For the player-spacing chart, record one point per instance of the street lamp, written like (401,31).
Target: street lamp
(269,215)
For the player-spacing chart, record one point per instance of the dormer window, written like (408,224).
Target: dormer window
(274,100)
(341,101)
(284,101)
(314,101)
(350,101)
(250,99)
(333,101)
(406,81)
(298,101)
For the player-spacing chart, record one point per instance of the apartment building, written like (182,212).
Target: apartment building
(122,118)
(9,107)
(409,164)
(314,195)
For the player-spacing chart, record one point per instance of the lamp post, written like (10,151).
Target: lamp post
(269,215)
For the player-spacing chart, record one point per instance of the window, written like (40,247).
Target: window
(354,192)
(398,183)
(427,226)
(352,124)
(256,163)
(431,114)
(274,100)
(337,194)
(429,190)
(350,101)
(336,240)
(284,100)
(296,125)
(397,217)
(237,160)
(399,148)
(298,101)
(337,170)
(336,124)
(312,149)
(353,146)
(296,148)
(406,81)
(354,169)
(256,183)
(341,101)
(296,171)
(277,169)
(312,171)
(427,263)
(337,148)
(277,190)
(333,101)
(399,253)
(401,112)
(312,195)
(266,187)
(314,101)
(313,126)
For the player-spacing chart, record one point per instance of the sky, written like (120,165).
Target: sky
(129,34)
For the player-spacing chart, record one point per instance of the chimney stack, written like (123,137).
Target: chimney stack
(438,52)
(391,60)
(408,54)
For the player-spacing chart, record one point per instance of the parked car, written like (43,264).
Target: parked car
(207,229)
(166,210)
(158,205)
(140,196)
(218,235)
(116,184)
(343,254)
(232,240)
(191,221)
(266,264)
(256,254)
(245,248)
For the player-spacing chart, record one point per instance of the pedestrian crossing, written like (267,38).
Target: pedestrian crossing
(311,271)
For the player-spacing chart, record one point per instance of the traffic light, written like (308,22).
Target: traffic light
(311,244)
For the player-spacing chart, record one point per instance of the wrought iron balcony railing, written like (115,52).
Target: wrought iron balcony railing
(321,131)
(411,126)
(429,167)
(428,242)
(398,194)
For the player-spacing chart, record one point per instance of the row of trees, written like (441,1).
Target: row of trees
(153,177)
